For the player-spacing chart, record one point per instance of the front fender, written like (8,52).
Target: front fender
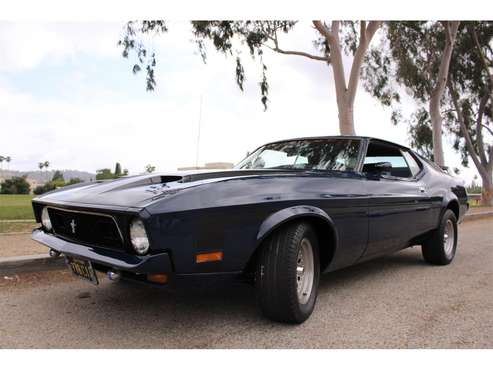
(282,216)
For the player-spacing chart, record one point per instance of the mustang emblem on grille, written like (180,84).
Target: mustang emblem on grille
(73,225)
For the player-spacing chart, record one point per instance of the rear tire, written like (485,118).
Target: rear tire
(440,247)
(287,274)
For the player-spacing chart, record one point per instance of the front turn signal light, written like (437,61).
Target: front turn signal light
(158,278)
(208,257)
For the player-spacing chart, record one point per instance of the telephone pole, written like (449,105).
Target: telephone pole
(198,134)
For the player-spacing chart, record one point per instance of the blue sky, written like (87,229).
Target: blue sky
(67,96)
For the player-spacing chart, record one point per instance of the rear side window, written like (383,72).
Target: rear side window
(411,162)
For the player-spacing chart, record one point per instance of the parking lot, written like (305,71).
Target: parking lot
(393,302)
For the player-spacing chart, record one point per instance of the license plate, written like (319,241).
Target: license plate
(82,269)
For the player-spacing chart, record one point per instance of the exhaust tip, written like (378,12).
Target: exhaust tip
(113,276)
(54,253)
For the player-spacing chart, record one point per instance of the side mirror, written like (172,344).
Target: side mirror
(378,168)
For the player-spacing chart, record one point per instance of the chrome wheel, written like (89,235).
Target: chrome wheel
(305,271)
(448,238)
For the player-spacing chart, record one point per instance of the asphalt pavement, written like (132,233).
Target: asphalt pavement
(394,302)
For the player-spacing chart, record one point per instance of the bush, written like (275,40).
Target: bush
(15,185)
(38,190)
(58,176)
(104,174)
(54,184)
(73,181)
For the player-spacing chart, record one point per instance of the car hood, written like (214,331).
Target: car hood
(139,191)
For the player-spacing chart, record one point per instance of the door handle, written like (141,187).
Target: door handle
(422,189)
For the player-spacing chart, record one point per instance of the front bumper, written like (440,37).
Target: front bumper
(116,260)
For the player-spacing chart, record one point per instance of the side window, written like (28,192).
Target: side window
(411,162)
(381,152)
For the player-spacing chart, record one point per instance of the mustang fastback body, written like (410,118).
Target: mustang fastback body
(362,197)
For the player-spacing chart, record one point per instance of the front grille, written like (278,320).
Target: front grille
(86,228)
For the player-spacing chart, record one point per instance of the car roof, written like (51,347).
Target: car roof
(349,137)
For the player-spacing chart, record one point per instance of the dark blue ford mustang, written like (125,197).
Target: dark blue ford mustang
(286,213)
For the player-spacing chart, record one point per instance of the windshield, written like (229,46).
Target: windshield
(316,154)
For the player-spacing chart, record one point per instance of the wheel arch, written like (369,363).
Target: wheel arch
(450,201)
(321,222)
(453,205)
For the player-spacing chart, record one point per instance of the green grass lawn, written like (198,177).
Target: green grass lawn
(15,207)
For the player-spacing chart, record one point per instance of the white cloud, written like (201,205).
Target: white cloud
(91,128)
(25,46)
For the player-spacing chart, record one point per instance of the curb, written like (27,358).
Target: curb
(43,262)
(18,221)
(478,216)
(15,233)
(32,263)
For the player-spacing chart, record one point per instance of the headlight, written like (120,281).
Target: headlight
(138,237)
(45,219)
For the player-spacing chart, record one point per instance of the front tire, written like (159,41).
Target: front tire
(440,247)
(287,274)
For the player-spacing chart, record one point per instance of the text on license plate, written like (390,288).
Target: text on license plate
(82,269)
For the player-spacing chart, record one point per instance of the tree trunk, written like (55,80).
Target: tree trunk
(485,168)
(346,119)
(437,93)
(487,192)
(346,93)
(436,125)
(344,103)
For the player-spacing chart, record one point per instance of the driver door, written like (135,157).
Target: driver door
(399,206)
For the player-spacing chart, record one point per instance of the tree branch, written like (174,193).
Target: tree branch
(277,49)
(488,128)
(465,132)
(332,38)
(365,39)
(362,31)
(472,31)
(371,29)
(448,31)
(323,30)
(490,163)
(334,30)
(479,133)
(439,89)
(301,53)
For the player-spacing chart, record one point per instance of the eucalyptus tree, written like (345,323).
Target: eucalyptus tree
(411,58)
(470,101)
(331,42)
(415,56)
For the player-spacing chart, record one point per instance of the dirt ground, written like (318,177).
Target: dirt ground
(397,301)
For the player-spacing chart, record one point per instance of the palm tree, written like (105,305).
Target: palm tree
(46,164)
(8,159)
(41,165)
(2,158)
(150,168)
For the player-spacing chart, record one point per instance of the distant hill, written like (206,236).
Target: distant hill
(43,176)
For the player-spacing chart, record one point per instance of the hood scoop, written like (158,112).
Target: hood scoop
(146,181)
